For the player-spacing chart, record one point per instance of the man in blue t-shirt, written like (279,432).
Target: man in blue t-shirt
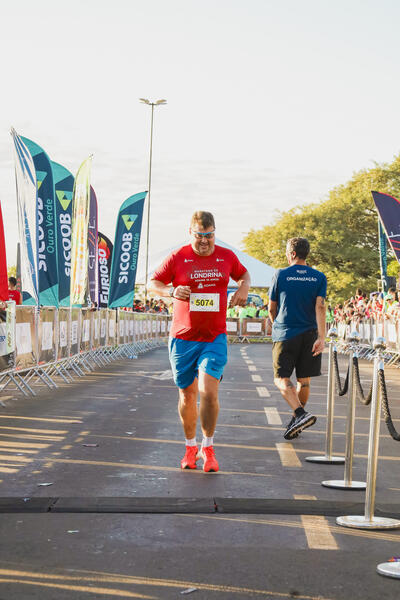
(297,311)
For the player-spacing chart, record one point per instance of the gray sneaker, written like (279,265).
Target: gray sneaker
(288,426)
(298,424)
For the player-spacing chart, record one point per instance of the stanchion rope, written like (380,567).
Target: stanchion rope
(385,407)
(366,400)
(341,390)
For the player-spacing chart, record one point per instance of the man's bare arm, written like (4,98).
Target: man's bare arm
(272,310)
(239,298)
(320,314)
(181,292)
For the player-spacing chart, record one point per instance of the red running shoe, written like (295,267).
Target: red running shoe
(210,462)
(189,460)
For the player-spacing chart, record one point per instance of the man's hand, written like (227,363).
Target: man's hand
(182,292)
(239,298)
(318,346)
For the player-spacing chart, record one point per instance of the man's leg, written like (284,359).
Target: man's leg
(209,405)
(301,419)
(187,408)
(303,389)
(209,409)
(183,357)
(288,391)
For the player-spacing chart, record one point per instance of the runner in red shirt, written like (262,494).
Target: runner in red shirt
(13,293)
(199,274)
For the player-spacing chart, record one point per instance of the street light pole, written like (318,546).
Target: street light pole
(152,104)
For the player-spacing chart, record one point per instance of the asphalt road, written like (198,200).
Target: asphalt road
(120,519)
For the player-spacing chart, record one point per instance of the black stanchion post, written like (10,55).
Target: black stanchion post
(330,402)
(347,483)
(369,521)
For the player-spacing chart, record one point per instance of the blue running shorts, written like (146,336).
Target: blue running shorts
(187,357)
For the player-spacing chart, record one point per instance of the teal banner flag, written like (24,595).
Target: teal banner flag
(25,178)
(126,251)
(382,251)
(46,222)
(64,187)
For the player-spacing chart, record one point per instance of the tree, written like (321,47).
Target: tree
(342,232)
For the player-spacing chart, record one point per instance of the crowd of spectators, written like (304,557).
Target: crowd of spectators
(376,306)
(151,306)
(250,311)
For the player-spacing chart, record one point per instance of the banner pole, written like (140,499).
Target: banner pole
(330,407)
(148,202)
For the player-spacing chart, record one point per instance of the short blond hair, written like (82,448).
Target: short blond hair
(205,219)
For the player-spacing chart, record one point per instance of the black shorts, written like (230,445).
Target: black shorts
(295,353)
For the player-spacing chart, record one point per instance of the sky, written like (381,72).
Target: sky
(269,104)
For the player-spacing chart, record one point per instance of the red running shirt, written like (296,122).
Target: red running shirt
(15,295)
(203,317)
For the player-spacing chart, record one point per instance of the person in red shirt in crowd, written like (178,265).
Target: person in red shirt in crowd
(13,293)
(199,274)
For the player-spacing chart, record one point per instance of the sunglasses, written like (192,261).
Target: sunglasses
(200,235)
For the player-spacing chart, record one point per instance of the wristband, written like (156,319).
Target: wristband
(171,292)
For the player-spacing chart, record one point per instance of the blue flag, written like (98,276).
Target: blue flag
(126,251)
(388,209)
(46,222)
(64,187)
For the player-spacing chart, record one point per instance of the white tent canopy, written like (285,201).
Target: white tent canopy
(260,273)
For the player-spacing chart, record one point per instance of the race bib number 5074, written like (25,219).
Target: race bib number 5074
(204,302)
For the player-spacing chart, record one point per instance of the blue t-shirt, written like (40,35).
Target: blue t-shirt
(295,289)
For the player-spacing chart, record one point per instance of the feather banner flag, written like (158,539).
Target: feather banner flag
(46,222)
(388,209)
(64,187)
(105,251)
(3,263)
(126,251)
(25,177)
(80,221)
(93,282)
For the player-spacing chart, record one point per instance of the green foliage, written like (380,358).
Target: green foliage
(342,232)
(12,271)
(393,269)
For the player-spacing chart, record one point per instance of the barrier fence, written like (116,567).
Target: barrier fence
(369,330)
(38,343)
(244,330)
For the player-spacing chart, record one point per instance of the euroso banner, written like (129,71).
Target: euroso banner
(105,251)
(388,209)
(25,177)
(93,264)
(64,187)
(126,251)
(3,263)
(80,220)
(46,220)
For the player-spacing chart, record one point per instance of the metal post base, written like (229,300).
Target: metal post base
(333,460)
(341,484)
(360,522)
(389,569)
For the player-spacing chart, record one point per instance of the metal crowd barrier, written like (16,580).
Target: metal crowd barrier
(369,330)
(37,344)
(244,330)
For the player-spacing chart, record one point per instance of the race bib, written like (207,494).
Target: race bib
(204,302)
